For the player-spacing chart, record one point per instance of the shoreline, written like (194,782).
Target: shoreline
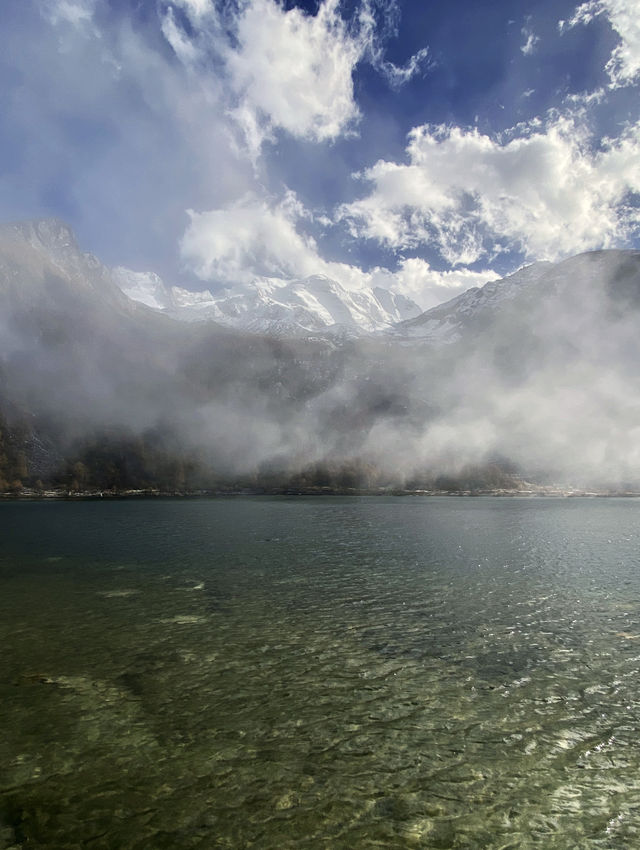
(222,492)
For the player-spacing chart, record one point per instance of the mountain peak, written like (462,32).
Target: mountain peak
(313,304)
(52,234)
(450,321)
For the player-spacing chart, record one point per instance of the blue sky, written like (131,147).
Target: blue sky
(417,145)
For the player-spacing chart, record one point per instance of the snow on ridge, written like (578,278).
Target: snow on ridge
(49,234)
(451,320)
(312,304)
(145,287)
(443,324)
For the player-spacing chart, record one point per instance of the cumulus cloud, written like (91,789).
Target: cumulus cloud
(545,191)
(246,239)
(296,69)
(427,286)
(258,237)
(286,69)
(283,69)
(121,132)
(623,66)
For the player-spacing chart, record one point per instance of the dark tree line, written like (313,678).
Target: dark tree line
(33,456)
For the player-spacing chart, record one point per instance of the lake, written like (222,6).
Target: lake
(334,672)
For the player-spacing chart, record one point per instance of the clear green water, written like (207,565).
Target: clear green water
(335,672)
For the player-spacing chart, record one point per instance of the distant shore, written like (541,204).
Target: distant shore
(219,492)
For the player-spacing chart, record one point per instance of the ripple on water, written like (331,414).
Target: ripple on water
(339,674)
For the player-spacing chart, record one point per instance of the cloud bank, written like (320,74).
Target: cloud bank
(255,237)
(179,136)
(545,189)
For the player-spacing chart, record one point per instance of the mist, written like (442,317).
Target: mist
(542,383)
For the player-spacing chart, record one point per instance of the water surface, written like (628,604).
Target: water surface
(331,672)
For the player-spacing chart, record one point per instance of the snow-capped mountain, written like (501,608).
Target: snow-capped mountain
(575,289)
(144,287)
(313,304)
(46,235)
(34,252)
(448,322)
(543,369)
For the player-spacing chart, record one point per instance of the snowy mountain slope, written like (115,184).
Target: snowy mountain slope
(36,255)
(49,236)
(448,322)
(144,287)
(575,291)
(316,304)
(268,305)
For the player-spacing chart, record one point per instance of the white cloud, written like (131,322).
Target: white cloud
(295,69)
(623,66)
(397,75)
(530,41)
(183,47)
(372,35)
(196,9)
(428,287)
(544,192)
(286,69)
(172,145)
(78,13)
(255,237)
(247,239)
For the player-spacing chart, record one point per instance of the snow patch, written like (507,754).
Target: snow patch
(316,303)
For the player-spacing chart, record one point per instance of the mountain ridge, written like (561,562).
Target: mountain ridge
(446,323)
(540,370)
(313,304)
